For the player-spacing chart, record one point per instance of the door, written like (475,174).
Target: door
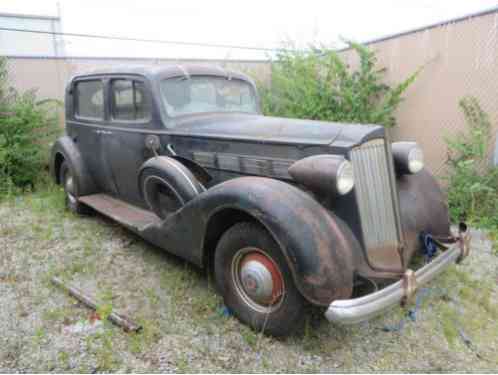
(130,120)
(86,124)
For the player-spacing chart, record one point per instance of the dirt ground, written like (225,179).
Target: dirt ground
(186,329)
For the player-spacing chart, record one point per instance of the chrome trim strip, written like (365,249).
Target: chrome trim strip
(394,191)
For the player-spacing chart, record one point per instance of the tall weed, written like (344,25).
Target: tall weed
(27,126)
(318,84)
(472,182)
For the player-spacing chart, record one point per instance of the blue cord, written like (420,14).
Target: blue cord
(429,247)
(411,314)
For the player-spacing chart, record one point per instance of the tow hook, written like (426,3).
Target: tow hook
(409,287)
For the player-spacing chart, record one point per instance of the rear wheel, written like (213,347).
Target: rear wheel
(68,181)
(256,283)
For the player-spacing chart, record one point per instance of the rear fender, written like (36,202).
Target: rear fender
(64,149)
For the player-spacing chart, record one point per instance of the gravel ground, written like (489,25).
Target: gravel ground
(185,327)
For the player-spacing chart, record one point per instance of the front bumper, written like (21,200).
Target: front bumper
(356,310)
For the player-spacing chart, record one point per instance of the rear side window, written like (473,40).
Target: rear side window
(130,100)
(89,96)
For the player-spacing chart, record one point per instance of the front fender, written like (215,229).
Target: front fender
(318,245)
(423,207)
(65,149)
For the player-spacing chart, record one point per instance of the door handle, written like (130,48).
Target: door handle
(102,132)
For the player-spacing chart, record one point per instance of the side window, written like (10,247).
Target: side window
(89,96)
(129,100)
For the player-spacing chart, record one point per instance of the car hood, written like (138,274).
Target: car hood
(275,129)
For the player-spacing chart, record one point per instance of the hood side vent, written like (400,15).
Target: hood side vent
(268,167)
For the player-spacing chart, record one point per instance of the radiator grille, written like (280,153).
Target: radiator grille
(374,194)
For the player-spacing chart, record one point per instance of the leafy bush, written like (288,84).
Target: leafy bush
(317,84)
(26,128)
(472,182)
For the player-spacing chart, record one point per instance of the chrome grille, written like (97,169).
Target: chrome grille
(374,194)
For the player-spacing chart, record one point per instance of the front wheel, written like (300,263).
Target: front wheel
(255,280)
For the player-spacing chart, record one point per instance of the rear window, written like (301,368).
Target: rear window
(130,101)
(89,99)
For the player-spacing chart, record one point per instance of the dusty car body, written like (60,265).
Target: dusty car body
(182,154)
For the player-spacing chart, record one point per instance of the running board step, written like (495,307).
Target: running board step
(124,213)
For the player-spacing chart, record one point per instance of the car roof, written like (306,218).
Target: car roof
(165,71)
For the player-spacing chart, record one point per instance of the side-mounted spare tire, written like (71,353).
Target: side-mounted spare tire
(166,185)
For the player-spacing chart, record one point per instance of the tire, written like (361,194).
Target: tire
(67,180)
(240,253)
(166,191)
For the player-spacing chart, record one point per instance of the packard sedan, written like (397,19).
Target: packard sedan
(287,212)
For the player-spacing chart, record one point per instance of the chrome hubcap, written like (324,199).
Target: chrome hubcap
(258,279)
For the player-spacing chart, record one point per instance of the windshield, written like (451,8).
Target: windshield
(201,94)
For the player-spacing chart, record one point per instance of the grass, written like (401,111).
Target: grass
(150,334)
(180,311)
(105,307)
(493,236)
(466,311)
(39,336)
(182,365)
(63,359)
(56,314)
(101,345)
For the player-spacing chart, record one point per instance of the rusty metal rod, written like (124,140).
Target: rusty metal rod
(124,322)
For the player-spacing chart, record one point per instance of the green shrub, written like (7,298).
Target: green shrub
(317,84)
(26,129)
(472,181)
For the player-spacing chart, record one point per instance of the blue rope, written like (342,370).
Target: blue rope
(411,314)
(429,250)
(224,311)
(429,247)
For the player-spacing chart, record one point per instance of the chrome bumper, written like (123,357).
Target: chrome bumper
(356,310)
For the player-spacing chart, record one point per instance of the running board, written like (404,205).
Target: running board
(124,213)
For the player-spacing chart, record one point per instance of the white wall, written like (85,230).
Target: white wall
(29,44)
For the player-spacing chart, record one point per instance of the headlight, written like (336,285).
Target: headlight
(324,174)
(345,178)
(408,157)
(415,160)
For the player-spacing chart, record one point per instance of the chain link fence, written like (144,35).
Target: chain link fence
(458,59)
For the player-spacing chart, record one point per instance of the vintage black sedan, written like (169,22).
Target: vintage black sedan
(288,212)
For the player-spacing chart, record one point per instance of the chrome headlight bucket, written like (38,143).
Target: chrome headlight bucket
(408,157)
(324,174)
(344,178)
